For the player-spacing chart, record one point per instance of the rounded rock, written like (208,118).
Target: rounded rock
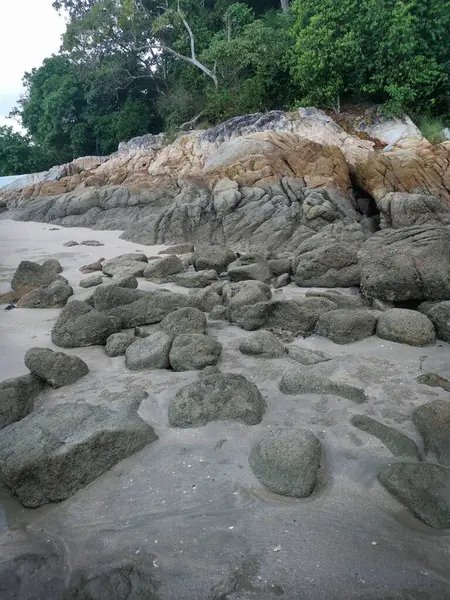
(406,327)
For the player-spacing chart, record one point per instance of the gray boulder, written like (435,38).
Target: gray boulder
(434,380)
(125,264)
(329,258)
(179,249)
(194,351)
(250,317)
(244,293)
(117,343)
(53,296)
(341,300)
(406,264)
(91,243)
(152,307)
(92,267)
(206,298)
(151,352)
(219,313)
(51,264)
(184,320)
(213,257)
(263,344)
(56,368)
(107,297)
(423,488)
(17,397)
(70,243)
(305,356)
(80,325)
(287,461)
(52,453)
(400,210)
(344,326)
(31,273)
(220,397)
(433,422)
(259,271)
(282,281)
(300,381)
(195,279)
(397,442)
(125,281)
(406,327)
(91,281)
(280,266)
(439,314)
(162,268)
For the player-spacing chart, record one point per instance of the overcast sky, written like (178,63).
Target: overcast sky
(30,30)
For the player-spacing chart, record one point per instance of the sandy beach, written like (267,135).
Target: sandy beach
(190,505)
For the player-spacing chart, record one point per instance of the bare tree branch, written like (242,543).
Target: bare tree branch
(193,121)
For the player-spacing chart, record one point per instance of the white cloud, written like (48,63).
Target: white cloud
(30,30)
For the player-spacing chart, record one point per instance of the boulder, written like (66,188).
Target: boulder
(301,381)
(151,352)
(280,266)
(52,453)
(91,281)
(79,325)
(161,268)
(439,315)
(305,356)
(117,343)
(125,281)
(399,209)
(224,396)
(341,300)
(179,249)
(329,258)
(91,243)
(406,327)
(195,279)
(152,307)
(31,273)
(263,344)
(56,368)
(70,243)
(187,260)
(282,281)
(259,271)
(434,380)
(287,461)
(406,264)
(213,257)
(92,267)
(17,397)
(397,442)
(53,296)
(344,326)
(219,313)
(250,317)
(125,264)
(107,297)
(245,293)
(194,351)
(423,488)
(433,423)
(51,264)
(207,371)
(184,320)
(206,298)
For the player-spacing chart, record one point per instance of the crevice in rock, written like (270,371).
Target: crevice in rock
(365,203)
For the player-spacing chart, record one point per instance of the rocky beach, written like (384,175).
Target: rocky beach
(225,367)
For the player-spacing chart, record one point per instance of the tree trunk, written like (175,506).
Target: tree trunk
(284,5)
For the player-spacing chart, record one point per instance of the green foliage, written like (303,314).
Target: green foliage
(431,128)
(393,51)
(18,155)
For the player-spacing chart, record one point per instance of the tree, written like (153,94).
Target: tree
(18,155)
(391,51)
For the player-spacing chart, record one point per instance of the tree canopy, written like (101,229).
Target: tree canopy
(128,67)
